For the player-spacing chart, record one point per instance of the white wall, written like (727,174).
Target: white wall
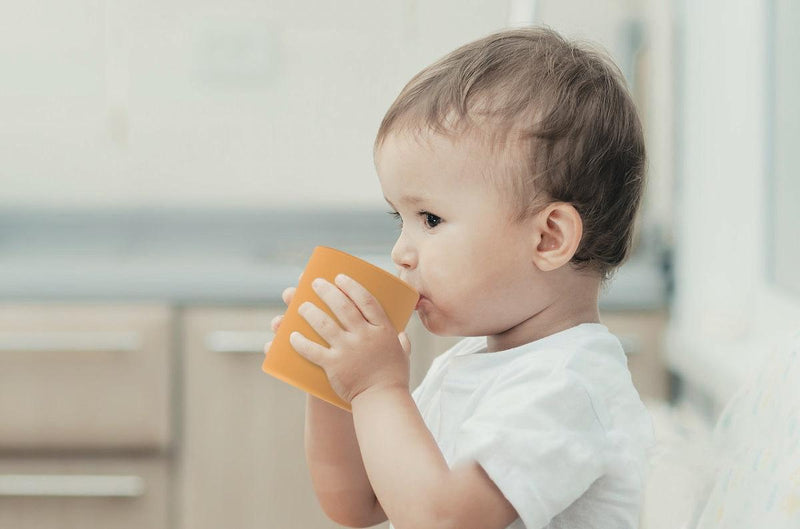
(727,314)
(241,103)
(238,103)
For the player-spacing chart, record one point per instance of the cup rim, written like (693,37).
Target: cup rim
(376,267)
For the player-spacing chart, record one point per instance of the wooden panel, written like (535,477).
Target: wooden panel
(84,377)
(67,494)
(642,334)
(242,461)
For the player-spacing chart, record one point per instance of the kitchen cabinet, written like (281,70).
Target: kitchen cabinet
(242,461)
(61,491)
(85,415)
(151,416)
(642,335)
(159,416)
(85,377)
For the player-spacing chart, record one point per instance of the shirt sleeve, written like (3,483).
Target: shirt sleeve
(539,439)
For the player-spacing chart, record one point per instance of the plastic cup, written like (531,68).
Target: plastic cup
(396,297)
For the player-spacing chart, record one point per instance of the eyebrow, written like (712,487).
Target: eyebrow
(409,199)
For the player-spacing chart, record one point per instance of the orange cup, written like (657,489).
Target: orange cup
(396,297)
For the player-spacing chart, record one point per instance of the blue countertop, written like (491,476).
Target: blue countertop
(214,256)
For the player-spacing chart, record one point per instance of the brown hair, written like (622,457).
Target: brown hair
(575,133)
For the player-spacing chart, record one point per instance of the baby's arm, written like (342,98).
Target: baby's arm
(367,363)
(410,475)
(337,470)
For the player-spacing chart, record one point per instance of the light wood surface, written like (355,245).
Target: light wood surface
(642,336)
(242,462)
(85,377)
(75,507)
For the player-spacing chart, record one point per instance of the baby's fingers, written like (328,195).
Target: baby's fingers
(288,294)
(276,322)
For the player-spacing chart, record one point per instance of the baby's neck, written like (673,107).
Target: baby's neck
(575,302)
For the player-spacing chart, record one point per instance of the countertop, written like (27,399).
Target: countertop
(216,256)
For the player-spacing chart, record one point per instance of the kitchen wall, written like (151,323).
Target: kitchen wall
(119,103)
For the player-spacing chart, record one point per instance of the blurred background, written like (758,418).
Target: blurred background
(167,168)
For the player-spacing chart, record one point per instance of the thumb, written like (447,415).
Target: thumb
(405,343)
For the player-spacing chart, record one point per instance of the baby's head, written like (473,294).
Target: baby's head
(558,121)
(527,127)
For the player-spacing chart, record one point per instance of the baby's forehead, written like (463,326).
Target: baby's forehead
(486,150)
(416,170)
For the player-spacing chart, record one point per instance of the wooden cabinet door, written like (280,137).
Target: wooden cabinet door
(85,377)
(84,492)
(242,462)
(85,415)
(642,336)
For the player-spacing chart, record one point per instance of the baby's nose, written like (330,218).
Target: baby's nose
(403,255)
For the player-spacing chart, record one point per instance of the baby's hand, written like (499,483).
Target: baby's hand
(365,351)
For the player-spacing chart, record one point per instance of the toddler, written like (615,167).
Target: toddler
(515,167)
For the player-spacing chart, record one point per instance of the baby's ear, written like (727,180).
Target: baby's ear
(558,230)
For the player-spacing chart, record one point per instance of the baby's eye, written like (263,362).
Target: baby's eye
(430,219)
(396,216)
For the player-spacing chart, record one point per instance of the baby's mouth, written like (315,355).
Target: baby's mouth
(419,301)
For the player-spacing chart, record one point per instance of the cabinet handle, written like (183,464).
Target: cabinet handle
(238,342)
(71,341)
(71,485)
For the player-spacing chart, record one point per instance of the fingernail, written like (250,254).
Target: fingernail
(341,278)
(318,282)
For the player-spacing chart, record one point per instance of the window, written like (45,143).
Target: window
(782,151)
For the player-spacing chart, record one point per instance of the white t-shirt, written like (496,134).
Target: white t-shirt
(556,424)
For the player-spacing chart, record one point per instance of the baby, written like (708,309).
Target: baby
(515,168)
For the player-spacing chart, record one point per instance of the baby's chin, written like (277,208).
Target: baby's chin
(433,324)
(445,327)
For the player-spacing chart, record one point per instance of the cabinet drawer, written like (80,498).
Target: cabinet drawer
(641,334)
(84,377)
(113,494)
(242,462)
